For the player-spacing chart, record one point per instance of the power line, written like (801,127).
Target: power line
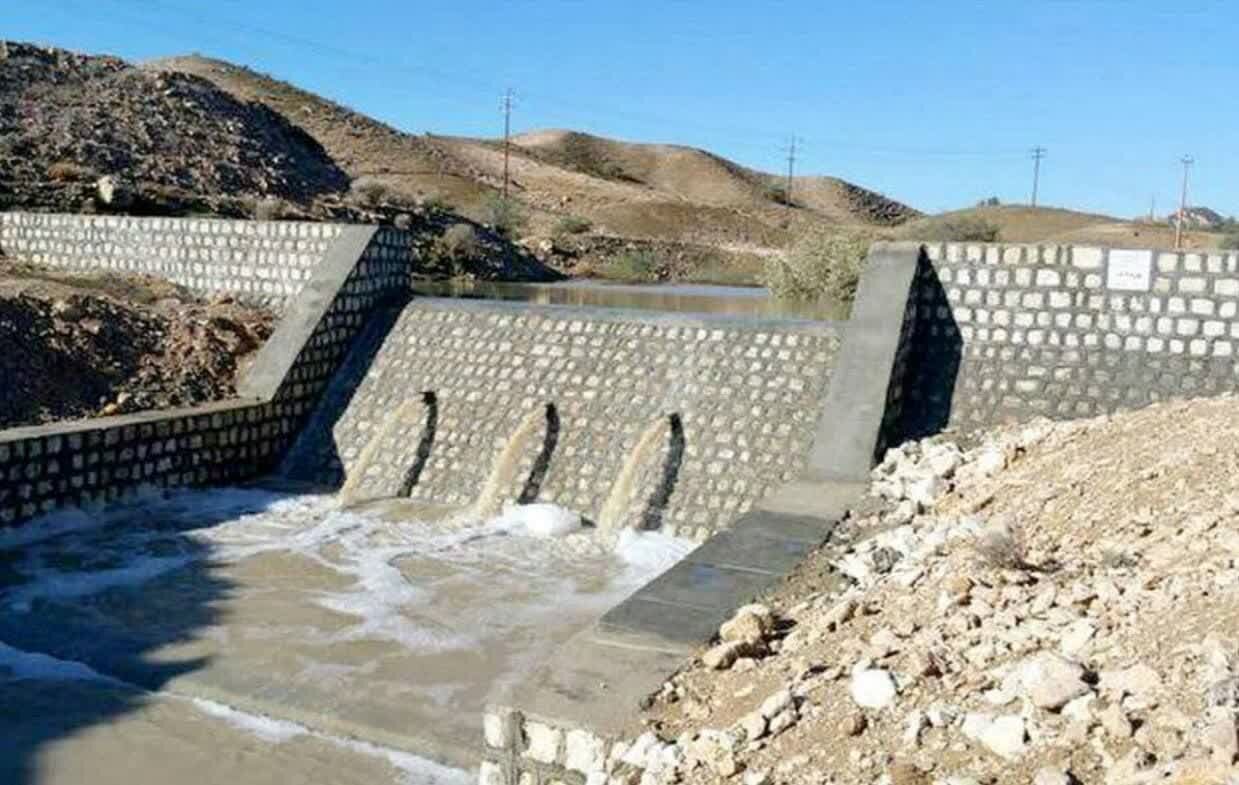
(1038,153)
(506,106)
(733,135)
(1187,162)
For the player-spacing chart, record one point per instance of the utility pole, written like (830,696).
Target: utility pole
(1038,153)
(506,105)
(1153,208)
(1187,162)
(791,168)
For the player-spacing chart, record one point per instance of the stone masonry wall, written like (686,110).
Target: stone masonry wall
(96,461)
(717,411)
(1007,333)
(256,261)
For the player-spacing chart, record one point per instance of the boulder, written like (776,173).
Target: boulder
(1005,735)
(777,703)
(724,655)
(1051,681)
(750,624)
(1053,775)
(873,689)
(1221,735)
(113,193)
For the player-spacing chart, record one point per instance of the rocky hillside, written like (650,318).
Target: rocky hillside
(74,346)
(68,119)
(195,135)
(1059,604)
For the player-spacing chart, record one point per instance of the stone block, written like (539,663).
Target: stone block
(584,752)
(1086,258)
(544,742)
(491,773)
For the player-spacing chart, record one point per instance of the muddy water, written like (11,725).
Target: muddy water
(373,625)
(666,298)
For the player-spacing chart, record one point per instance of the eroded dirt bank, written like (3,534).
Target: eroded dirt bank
(75,346)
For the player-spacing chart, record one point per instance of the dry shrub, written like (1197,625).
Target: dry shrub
(434,203)
(1001,545)
(962,229)
(821,265)
(633,266)
(460,241)
(69,172)
(268,209)
(505,214)
(370,191)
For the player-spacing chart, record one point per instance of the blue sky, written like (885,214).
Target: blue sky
(935,103)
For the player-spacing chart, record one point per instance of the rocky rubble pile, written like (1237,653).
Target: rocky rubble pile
(69,120)
(70,349)
(1059,604)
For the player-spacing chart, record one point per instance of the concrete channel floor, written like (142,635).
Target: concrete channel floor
(220,607)
(52,734)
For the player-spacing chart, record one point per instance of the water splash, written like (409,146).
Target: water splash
(619,500)
(405,417)
(507,462)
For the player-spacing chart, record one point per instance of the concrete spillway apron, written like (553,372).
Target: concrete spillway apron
(597,679)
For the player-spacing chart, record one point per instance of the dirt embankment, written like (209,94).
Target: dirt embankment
(67,119)
(77,346)
(1059,604)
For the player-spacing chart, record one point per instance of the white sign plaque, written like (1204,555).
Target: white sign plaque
(1129,271)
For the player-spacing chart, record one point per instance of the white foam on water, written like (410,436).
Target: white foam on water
(541,547)
(539,520)
(533,573)
(24,665)
(266,728)
(651,552)
(54,584)
(71,519)
(517,584)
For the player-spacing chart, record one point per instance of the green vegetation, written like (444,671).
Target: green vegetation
(726,270)
(504,214)
(638,266)
(1229,241)
(822,265)
(570,225)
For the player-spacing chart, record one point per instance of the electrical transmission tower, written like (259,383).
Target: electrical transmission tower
(791,167)
(1038,153)
(1187,162)
(506,105)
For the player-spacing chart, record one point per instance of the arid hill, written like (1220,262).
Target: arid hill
(1024,224)
(647,191)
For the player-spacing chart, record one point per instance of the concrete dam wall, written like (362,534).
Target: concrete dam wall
(1005,333)
(673,422)
(256,261)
